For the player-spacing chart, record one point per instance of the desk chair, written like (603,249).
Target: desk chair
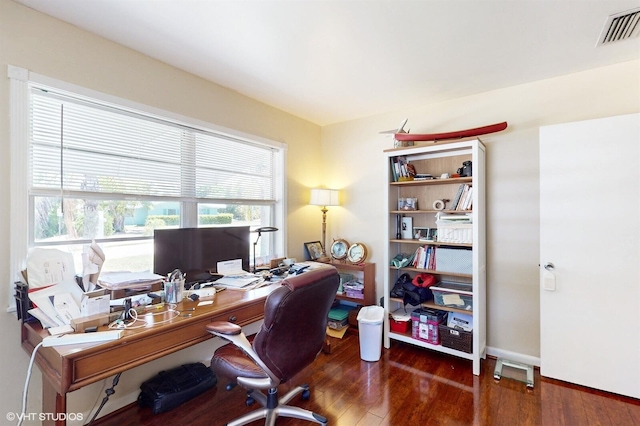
(295,320)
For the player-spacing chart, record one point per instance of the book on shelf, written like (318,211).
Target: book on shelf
(456,199)
(400,169)
(469,200)
(464,202)
(432,259)
(407,228)
(423,176)
(424,257)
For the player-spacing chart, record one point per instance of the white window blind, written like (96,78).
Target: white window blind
(81,147)
(87,166)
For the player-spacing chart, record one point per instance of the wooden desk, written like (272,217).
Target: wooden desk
(67,368)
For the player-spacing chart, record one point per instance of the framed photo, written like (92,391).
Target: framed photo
(420,233)
(314,249)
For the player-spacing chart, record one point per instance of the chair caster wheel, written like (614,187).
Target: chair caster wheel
(306,394)
(249,402)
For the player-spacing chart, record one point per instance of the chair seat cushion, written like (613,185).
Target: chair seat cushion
(232,362)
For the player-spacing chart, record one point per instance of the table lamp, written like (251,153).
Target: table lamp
(255,243)
(324,197)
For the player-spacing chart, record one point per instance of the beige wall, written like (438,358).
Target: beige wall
(354,162)
(46,46)
(350,158)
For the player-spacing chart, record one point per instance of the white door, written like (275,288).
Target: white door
(590,232)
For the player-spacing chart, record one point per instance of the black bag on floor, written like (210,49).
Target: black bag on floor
(168,389)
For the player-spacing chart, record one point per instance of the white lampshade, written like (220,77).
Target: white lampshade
(324,197)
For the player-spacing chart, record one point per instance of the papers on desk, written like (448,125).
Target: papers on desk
(46,267)
(121,280)
(234,277)
(57,304)
(236,281)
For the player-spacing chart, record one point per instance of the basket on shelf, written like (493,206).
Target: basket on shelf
(457,339)
(455,233)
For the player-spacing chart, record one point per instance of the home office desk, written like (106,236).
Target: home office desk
(68,368)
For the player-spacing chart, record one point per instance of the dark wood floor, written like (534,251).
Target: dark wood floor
(408,386)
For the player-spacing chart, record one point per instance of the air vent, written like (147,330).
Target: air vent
(620,26)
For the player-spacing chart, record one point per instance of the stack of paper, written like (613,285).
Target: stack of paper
(120,280)
(234,276)
(56,305)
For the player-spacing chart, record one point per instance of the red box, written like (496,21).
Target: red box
(399,326)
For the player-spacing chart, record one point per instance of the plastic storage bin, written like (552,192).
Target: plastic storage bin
(400,321)
(370,320)
(425,324)
(453,295)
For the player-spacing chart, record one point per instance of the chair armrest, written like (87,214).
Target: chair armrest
(233,333)
(224,327)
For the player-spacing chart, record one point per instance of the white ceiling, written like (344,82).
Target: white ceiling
(333,61)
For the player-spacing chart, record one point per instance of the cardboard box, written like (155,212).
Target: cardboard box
(95,303)
(460,321)
(82,323)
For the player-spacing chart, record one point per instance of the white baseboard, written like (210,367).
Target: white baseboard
(514,356)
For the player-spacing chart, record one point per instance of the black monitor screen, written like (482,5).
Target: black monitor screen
(198,250)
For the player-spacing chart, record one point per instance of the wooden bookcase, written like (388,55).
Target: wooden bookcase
(436,159)
(365,273)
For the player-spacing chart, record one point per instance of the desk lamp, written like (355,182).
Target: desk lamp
(324,198)
(255,243)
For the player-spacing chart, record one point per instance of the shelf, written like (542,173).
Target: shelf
(432,181)
(408,339)
(432,243)
(429,211)
(432,305)
(350,299)
(431,271)
(349,266)
(366,272)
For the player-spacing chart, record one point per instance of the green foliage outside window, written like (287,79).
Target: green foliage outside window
(215,219)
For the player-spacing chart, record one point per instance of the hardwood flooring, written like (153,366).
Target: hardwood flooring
(408,386)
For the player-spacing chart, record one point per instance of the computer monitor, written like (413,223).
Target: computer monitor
(197,251)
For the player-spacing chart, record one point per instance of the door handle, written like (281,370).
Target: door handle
(549,266)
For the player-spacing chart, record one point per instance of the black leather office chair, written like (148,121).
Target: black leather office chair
(295,320)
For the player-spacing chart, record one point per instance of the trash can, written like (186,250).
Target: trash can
(370,328)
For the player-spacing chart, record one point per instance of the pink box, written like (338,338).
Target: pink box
(425,325)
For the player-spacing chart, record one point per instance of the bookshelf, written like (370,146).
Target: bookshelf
(365,273)
(436,159)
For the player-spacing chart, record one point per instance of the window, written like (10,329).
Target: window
(103,171)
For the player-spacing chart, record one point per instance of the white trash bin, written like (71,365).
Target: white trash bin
(370,328)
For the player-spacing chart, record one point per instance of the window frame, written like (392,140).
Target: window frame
(22,81)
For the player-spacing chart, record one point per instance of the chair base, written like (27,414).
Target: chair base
(274,408)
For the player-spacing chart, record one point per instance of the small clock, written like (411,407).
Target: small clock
(357,253)
(339,249)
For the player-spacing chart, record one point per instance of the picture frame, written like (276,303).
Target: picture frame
(314,250)
(425,234)
(421,233)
